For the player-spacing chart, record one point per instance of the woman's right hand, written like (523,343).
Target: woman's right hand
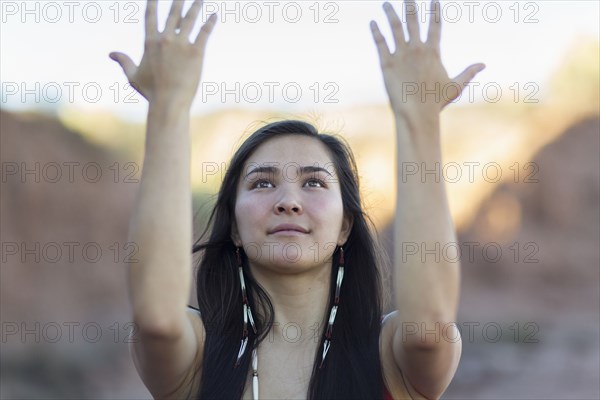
(171,65)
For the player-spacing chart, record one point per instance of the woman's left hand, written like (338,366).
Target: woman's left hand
(417,83)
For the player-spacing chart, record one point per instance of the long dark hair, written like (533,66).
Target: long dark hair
(352,369)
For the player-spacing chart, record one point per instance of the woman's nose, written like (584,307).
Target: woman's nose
(288,204)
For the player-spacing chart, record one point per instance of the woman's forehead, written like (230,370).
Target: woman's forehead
(294,150)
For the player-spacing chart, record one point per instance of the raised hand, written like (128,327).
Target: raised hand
(171,65)
(415,69)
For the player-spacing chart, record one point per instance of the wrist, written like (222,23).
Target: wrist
(418,113)
(171,107)
(170,117)
(418,136)
(171,101)
(419,122)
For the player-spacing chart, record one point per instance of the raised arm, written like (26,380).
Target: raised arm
(426,346)
(169,337)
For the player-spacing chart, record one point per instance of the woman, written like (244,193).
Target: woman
(289,274)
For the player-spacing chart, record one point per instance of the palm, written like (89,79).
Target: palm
(414,75)
(171,66)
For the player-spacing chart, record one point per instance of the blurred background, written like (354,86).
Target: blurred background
(521,167)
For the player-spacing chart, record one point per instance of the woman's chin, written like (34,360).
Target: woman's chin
(285,265)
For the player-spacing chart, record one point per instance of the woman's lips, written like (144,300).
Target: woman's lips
(288,233)
(288,228)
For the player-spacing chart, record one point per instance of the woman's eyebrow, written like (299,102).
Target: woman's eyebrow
(272,170)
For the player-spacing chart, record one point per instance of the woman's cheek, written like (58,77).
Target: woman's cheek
(243,216)
(327,209)
(249,215)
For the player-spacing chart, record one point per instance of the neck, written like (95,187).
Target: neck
(299,301)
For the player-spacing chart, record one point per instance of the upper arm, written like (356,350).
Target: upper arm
(428,368)
(166,364)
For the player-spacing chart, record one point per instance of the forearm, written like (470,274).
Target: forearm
(426,278)
(161,224)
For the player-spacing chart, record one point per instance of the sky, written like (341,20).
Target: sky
(288,55)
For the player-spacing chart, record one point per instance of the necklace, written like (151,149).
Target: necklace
(248,318)
(326,345)
(254,374)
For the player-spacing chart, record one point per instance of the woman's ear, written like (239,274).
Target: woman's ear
(346,229)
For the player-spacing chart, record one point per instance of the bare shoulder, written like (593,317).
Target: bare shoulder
(192,378)
(168,365)
(398,386)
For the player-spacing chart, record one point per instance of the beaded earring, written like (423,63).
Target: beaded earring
(247,317)
(334,308)
(247,311)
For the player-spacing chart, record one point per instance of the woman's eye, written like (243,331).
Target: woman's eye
(263,183)
(259,183)
(317,181)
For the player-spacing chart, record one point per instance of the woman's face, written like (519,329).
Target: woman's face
(274,188)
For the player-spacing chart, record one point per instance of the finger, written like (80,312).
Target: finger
(435,25)
(468,74)
(174,17)
(205,31)
(412,21)
(382,47)
(125,62)
(464,78)
(187,24)
(151,27)
(395,24)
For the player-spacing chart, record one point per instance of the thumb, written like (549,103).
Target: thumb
(125,62)
(463,80)
(468,74)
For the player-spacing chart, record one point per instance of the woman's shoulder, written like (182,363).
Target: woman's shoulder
(394,379)
(386,317)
